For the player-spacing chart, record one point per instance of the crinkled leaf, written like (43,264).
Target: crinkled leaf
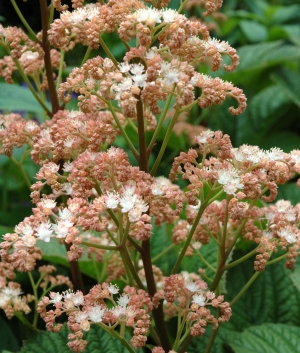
(295,276)
(49,342)
(267,338)
(286,140)
(199,344)
(269,299)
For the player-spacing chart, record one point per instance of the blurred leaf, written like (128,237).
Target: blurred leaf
(289,81)
(262,115)
(286,140)
(16,98)
(293,32)
(254,31)
(8,340)
(267,338)
(4,230)
(263,55)
(282,14)
(289,191)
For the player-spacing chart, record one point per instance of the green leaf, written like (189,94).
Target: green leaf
(4,230)
(262,115)
(8,340)
(55,252)
(14,97)
(295,276)
(194,263)
(160,240)
(289,192)
(254,31)
(268,338)
(269,299)
(286,140)
(289,81)
(263,55)
(285,13)
(49,342)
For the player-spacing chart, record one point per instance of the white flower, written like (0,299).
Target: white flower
(65,213)
(124,67)
(169,15)
(275,154)
(137,69)
(44,231)
(230,179)
(140,80)
(29,240)
(29,55)
(48,204)
(67,166)
(56,297)
(62,228)
(81,316)
(111,200)
(128,199)
(95,313)
(288,234)
(69,141)
(171,76)
(149,15)
(125,84)
(123,300)
(77,298)
(151,53)
(113,289)
(165,66)
(136,212)
(199,299)
(191,286)
(204,136)
(118,311)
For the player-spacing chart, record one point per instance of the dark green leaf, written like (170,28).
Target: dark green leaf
(269,299)
(8,340)
(268,338)
(49,342)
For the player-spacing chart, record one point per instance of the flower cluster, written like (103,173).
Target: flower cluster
(27,53)
(131,309)
(192,298)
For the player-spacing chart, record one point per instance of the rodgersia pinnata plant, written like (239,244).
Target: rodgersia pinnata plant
(124,217)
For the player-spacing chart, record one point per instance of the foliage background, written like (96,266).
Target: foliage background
(267,36)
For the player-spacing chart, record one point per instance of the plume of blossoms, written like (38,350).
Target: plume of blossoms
(131,309)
